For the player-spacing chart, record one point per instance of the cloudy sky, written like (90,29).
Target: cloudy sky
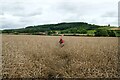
(22,13)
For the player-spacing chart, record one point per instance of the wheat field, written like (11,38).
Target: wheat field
(33,56)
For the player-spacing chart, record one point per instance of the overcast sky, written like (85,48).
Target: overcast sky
(22,13)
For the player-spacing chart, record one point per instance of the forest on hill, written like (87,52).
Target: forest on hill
(67,28)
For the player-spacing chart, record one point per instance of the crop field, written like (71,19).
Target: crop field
(33,56)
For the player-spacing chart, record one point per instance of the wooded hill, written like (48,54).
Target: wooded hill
(66,28)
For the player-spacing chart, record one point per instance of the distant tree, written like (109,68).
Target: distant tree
(7,31)
(111,33)
(64,31)
(82,31)
(73,30)
(78,31)
(71,27)
(49,32)
(109,25)
(101,32)
(117,32)
(16,33)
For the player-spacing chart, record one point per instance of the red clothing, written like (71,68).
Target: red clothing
(61,41)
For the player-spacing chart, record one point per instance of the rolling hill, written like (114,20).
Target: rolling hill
(60,28)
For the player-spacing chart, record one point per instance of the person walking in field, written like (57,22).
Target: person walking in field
(61,41)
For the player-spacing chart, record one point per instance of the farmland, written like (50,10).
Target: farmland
(26,56)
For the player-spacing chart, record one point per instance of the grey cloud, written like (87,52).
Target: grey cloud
(1,13)
(8,26)
(20,9)
(110,14)
(24,13)
(19,13)
(79,8)
(26,20)
(11,25)
(67,7)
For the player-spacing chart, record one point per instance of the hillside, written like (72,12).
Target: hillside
(60,28)
(49,27)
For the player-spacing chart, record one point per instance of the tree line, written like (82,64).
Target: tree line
(66,28)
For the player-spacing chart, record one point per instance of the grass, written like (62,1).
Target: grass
(26,56)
